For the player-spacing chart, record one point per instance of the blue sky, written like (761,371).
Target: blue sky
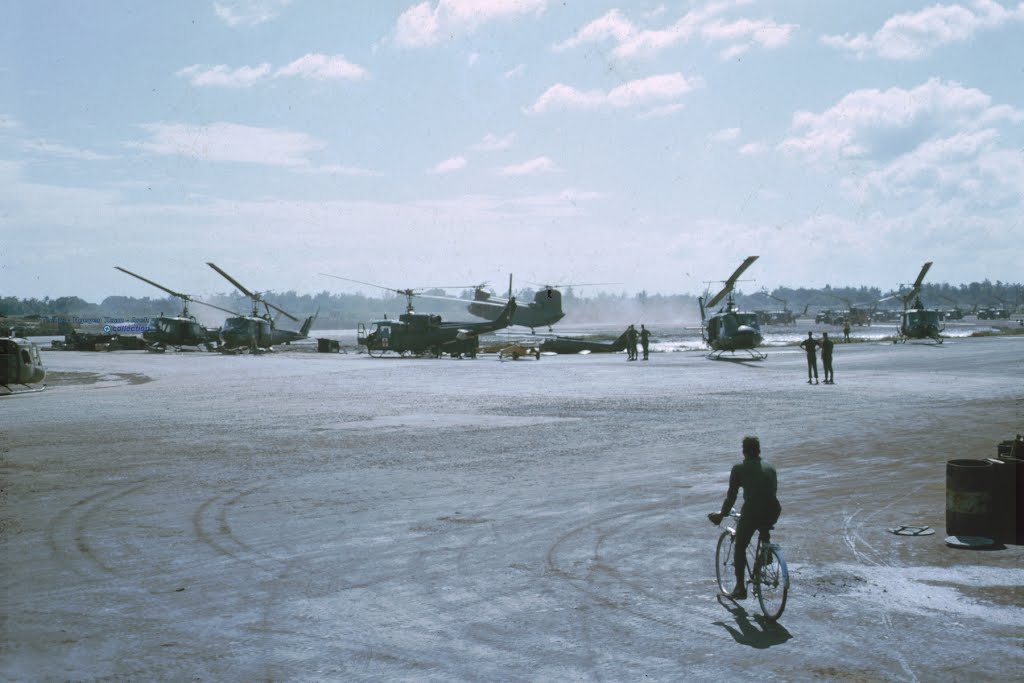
(448,142)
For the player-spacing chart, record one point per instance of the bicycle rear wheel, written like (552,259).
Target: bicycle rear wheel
(725,570)
(772,582)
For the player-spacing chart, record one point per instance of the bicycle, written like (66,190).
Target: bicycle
(766,569)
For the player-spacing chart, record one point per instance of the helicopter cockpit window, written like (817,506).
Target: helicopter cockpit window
(748,319)
(25,358)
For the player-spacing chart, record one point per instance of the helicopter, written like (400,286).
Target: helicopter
(425,334)
(855,314)
(544,311)
(257,332)
(917,322)
(955,313)
(729,329)
(20,366)
(783,317)
(178,331)
(578,345)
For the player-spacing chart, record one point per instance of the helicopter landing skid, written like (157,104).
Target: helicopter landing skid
(753,354)
(17,391)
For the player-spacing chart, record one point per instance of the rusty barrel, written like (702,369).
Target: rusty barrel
(1008,499)
(969,510)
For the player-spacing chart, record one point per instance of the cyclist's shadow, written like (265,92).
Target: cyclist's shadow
(762,636)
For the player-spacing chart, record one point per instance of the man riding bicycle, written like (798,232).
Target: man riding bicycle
(760,509)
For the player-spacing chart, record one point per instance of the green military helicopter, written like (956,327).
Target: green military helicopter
(21,367)
(425,334)
(917,322)
(257,332)
(730,329)
(181,330)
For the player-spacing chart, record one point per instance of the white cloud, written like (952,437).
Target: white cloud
(538,165)
(323,67)
(516,71)
(7,121)
(641,92)
(726,135)
(311,66)
(632,41)
(753,149)
(248,12)
(885,123)
(744,34)
(968,164)
(224,76)
(494,143)
(231,142)
(448,165)
(661,111)
(58,150)
(338,169)
(913,35)
(426,24)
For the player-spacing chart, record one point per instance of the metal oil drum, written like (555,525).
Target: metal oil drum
(969,508)
(1008,499)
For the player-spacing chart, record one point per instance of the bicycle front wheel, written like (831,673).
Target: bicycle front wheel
(725,570)
(772,583)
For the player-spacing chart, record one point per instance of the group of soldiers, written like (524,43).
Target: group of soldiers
(810,345)
(644,335)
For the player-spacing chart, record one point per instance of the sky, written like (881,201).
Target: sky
(653,145)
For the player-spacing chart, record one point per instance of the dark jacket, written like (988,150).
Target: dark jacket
(760,485)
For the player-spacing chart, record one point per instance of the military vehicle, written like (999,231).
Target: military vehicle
(424,334)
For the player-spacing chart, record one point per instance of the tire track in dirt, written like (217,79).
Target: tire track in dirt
(594,568)
(210,525)
(68,532)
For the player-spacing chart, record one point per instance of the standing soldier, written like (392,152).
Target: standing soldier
(630,343)
(826,357)
(809,345)
(645,340)
(846,332)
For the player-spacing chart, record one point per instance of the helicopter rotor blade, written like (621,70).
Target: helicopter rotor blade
(731,282)
(920,277)
(571,284)
(219,308)
(360,282)
(279,310)
(243,290)
(404,292)
(184,297)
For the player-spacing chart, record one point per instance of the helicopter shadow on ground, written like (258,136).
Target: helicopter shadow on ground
(763,635)
(747,362)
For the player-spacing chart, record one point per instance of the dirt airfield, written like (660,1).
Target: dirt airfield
(308,517)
